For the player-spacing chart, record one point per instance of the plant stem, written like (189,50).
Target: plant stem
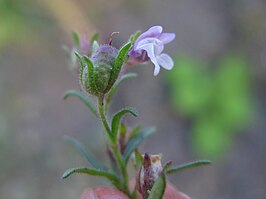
(122,168)
(115,148)
(102,115)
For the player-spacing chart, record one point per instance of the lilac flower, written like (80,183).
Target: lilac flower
(149,46)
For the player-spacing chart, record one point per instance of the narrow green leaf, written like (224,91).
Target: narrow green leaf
(167,166)
(123,130)
(85,99)
(93,172)
(138,159)
(189,166)
(82,66)
(119,61)
(135,142)
(158,188)
(76,41)
(135,131)
(117,85)
(85,152)
(117,118)
(94,37)
(91,76)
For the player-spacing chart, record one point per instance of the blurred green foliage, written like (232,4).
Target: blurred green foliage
(11,21)
(217,99)
(19,20)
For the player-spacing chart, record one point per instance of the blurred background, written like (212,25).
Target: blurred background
(210,106)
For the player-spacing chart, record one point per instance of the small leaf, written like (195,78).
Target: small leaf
(76,41)
(123,130)
(84,151)
(85,99)
(91,77)
(167,166)
(117,118)
(82,66)
(117,85)
(93,172)
(119,61)
(95,46)
(189,166)
(134,142)
(158,188)
(134,37)
(94,37)
(138,159)
(135,131)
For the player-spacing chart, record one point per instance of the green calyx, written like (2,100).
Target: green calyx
(99,72)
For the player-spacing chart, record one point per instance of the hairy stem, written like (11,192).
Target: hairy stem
(102,115)
(115,148)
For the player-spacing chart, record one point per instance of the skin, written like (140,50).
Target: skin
(112,193)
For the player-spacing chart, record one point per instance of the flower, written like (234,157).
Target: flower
(149,46)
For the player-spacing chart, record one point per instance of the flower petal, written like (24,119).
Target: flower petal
(156,69)
(153,32)
(149,48)
(165,61)
(167,37)
(157,44)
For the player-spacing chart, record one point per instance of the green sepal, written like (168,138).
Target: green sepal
(188,166)
(82,66)
(134,37)
(119,61)
(94,46)
(135,142)
(76,41)
(94,37)
(85,152)
(83,98)
(158,187)
(114,89)
(116,121)
(90,81)
(93,172)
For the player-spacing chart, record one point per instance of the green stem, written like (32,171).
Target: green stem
(102,115)
(115,148)
(122,168)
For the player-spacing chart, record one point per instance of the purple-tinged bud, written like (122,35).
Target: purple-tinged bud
(148,174)
(103,60)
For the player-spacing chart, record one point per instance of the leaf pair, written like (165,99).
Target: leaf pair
(116,122)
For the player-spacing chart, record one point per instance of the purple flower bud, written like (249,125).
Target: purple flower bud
(148,173)
(149,46)
(103,60)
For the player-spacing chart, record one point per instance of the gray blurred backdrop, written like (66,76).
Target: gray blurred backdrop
(34,75)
